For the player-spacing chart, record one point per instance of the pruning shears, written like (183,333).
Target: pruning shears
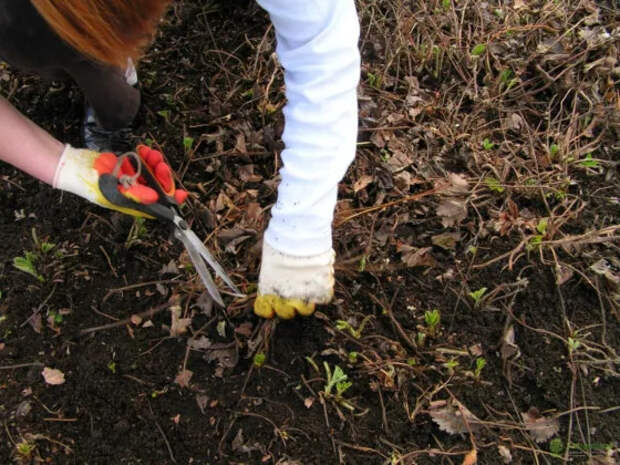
(166,209)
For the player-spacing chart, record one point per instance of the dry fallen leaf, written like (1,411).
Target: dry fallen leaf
(454,185)
(509,349)
(471,458)
(179,325)
(183,378)
(412,256)
(452,212)
(476,350)
(504,453)
(53,376)
(201,343)
(452,417)
(563,274)
(225,354)
(362,183)
(446,241)
(540,427)
(202,401)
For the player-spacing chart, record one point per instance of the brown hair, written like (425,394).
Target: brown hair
(110,31)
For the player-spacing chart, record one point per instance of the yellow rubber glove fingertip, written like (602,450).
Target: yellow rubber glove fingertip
(303,308)
(284,308)
(263,306)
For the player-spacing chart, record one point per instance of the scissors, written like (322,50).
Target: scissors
(166,209)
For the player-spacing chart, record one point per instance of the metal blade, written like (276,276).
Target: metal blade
(213,263)
(197,260)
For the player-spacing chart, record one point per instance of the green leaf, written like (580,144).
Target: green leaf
(432,318)
(554,149)
(259,359)
(47,246)
(541,227)
(478,50)
(556,446)
(164,114)
(589,162)
(374,81)
(26,264)
(446,4)
(343,386)
(487,144)
(477,295)
(362,266)
(188,142)
(535,242)
(493,184)
(506,75)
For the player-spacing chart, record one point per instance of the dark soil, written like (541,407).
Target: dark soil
(120,403)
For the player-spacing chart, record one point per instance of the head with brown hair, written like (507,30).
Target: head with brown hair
(109,31)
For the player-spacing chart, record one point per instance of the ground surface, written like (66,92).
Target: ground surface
(485,187)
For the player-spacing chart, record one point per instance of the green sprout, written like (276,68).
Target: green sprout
(56,317)
(589,162)
(27,265)
(573,345)
(487,144)
(188,142)
(477,295)
(259,359)
(554,149)
(374,81)
(507,78)
(451,365)
(556,446)
(362,266)
(446,4)
(541,227)
(432,319)
(342,325)
(311,361)
(493,184)
(339,380)
(353,356)
(480,364)
(478,50)
(112,366)
(137,232)
(25,449)
(165,114)
(42,246)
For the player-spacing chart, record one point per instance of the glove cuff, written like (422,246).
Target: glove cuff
(75,173)
(309,278)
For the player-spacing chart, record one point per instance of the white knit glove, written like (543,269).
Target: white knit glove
(288,285)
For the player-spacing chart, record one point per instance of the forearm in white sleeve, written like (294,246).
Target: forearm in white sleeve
(317,45)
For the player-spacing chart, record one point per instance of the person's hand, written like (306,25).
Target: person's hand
(290,285)
(79,170)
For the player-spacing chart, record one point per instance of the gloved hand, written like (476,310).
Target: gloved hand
(290,285)
(78,172)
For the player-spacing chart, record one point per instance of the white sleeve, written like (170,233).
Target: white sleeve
(317,45)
